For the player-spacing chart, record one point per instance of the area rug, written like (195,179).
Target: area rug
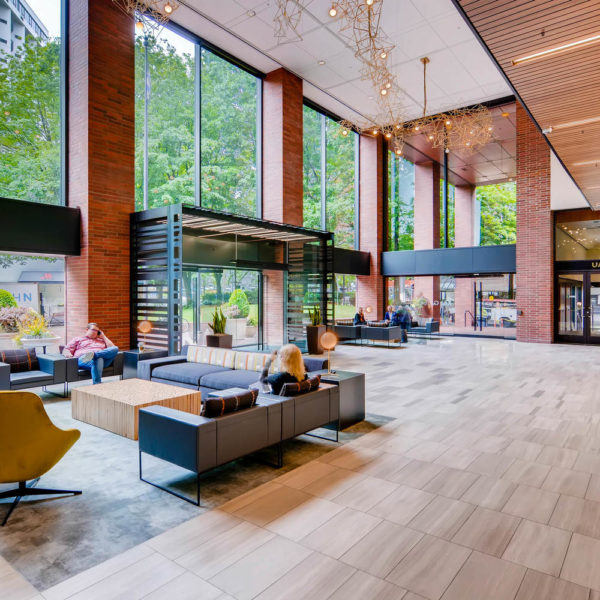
(50,540)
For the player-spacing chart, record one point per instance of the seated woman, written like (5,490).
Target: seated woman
(359,317)
(291,368)
(389,313)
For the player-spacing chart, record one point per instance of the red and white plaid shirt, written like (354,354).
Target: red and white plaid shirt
(80,345)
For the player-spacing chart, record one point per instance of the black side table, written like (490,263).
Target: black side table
(352,396)
(132,357)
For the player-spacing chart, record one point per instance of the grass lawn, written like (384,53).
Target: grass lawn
(206,312)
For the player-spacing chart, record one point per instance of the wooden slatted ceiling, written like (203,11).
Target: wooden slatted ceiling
(558,88)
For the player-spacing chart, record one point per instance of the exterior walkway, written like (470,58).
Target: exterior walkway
(487,485)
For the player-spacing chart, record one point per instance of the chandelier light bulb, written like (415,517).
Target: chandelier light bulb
(344,132)
(388,135)
(417,128)
(139,26)
(383,54)
(489,128)
(448,123)
(168,8)
(398,151)
(374,131)
(388,85)
(332,11)
(369,2)
(383,92)
(430,137)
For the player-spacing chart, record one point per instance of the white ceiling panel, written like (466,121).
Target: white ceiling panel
(460,72)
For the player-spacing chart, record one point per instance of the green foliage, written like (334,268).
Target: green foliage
(315,315)
(238,298)
(420,302)
(401,201)
(210,298)
(228,130)
(7,299)
(11,317)
(451,214)
(311,297)
(252,321)
(218,321)
(498,213)
(30,122)
(339,178)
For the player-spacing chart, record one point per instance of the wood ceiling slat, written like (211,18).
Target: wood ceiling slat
(558,88)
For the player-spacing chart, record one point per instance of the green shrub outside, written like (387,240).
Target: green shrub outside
(238,298)
(210,298)
(7,300)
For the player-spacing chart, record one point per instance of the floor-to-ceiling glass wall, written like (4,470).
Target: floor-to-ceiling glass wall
(237,292)
(32,154)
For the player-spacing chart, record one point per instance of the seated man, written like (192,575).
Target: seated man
(359,317)
(93,350)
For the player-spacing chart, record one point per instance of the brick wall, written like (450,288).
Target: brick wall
(464,198)
(100,166)
(282,148)
(427,228)
(534,234)
(372,161)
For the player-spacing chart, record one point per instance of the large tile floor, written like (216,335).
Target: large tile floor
(486,486)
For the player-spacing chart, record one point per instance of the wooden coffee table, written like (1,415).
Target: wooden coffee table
(115,405)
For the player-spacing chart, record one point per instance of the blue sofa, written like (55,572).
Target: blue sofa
(210,369)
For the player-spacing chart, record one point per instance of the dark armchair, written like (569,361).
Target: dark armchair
(49,370)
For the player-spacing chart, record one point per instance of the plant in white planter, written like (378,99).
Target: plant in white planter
(33,327)
(10,318)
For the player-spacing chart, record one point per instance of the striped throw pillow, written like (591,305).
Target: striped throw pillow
(227,403)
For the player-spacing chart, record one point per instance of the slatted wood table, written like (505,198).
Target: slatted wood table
(115,405)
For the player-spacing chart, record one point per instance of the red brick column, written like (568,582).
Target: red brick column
(535,269)
(282,179)
(427,227)
(100,165)
(464,199)
(372,162)
(282,148)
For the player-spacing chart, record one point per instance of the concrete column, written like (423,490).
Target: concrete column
(427,229)
(100,166)
(535,266)
(372,161)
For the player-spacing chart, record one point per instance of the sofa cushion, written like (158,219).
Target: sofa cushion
(222,357)
(22,359)
(31,377)
(227,403)
(222,380)
(308,385)
(251,361)
(187,372)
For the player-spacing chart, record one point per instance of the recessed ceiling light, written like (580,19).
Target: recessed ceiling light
(542,54)
(321,62)
(251,13)
(505,115)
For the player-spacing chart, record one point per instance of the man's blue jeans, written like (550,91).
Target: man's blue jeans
(102,358)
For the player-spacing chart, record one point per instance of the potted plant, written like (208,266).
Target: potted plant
(314,331)
(33,328)
(421,306)
(251,327)
(237,311)
(10,319)
(218,338)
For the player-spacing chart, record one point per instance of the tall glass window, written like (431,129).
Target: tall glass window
(450,215)
(228,133)
(401,203)
(498,209)
(30,101)
(169,84)
(329,178)
(193,94)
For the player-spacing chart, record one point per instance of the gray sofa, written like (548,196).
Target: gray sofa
(200,444)
(177,370)
(430,328)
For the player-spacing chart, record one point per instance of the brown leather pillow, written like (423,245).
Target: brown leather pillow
(20,360)
(226,403)
(301,387)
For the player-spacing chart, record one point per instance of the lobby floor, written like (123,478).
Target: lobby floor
(485,486)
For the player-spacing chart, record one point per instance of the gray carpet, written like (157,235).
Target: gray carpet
(51,539)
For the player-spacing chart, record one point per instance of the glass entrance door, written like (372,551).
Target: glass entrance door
(578,307)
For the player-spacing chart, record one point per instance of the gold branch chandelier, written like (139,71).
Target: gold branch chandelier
(461,130)
(150,15)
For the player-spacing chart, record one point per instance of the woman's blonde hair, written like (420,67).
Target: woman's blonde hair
(290,361)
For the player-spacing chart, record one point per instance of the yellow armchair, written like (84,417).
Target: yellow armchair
(30,445)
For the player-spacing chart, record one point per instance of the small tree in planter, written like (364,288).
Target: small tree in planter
(421,306)
(314,331)
(32,327)
(218,338)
